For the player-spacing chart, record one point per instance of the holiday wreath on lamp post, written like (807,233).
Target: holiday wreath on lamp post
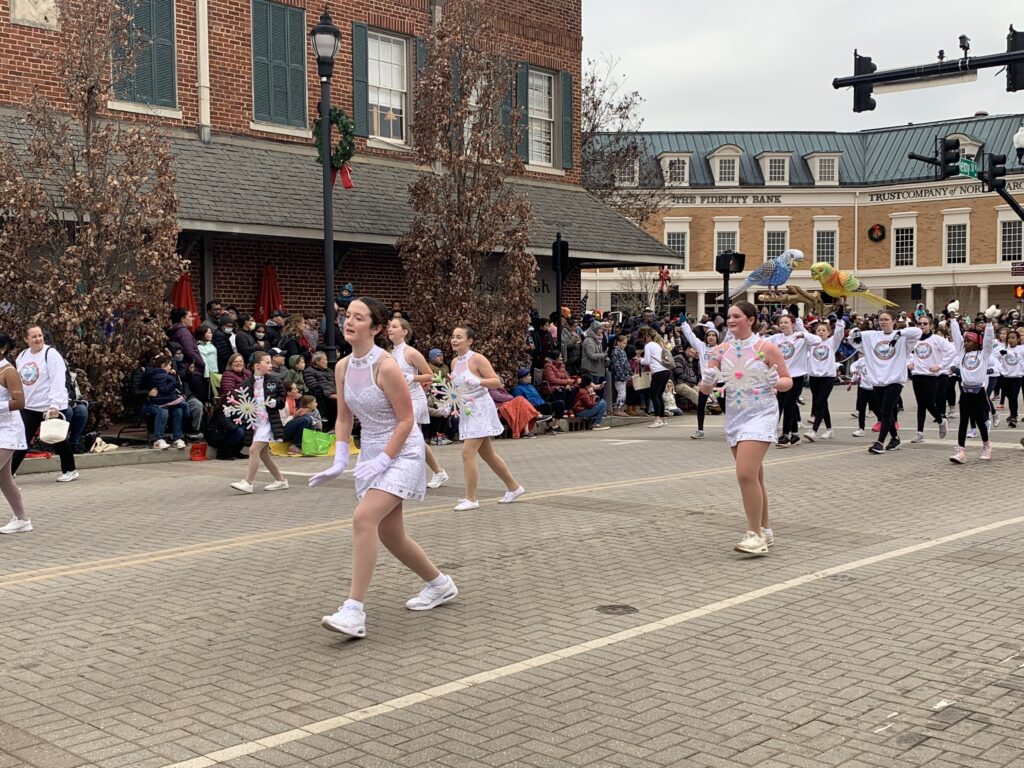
(343,150)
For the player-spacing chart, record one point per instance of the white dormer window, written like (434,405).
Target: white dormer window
(725,165)
(824,167)
(675,169)
(774,168)
(970,147)
(628,174)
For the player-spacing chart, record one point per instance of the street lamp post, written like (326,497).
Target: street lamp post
(326,39)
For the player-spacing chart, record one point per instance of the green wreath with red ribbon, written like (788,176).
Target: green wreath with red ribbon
(876,233)
(343,151)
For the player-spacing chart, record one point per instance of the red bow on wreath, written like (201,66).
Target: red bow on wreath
(665,276)
(346,176)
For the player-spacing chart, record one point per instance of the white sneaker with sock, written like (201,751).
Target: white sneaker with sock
(768,536)
(432,596)
(438,479)
(752,544)
(348,620)
(17,526)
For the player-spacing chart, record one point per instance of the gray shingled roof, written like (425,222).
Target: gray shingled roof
(871,157)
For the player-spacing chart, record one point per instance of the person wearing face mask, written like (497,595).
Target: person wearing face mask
(222,340)
(245,342)
(260,343)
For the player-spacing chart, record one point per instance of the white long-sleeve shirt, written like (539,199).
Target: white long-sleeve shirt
(43,379)
(795,348)
(822,357)
(703,350)
(652,357)
(974,364)
(997,359)
(886,354)
(1013,362)
(858,370)
(930,352)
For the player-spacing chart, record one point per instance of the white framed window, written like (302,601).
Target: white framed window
(727,233)
(827,169)
(956,243)
(727,170)
(777,169)
(388,86)
(904,238)
(542,117)
(676,171)
(677,237)
(775,242)
(825,246)
(628,174)
(1010,240)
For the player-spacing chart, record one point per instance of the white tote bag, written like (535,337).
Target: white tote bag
(54,430)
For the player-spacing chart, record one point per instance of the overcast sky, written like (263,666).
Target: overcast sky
(768,65)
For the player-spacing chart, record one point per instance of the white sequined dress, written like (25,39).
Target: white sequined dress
(419,397)
(752,409)
(480,416)
(405,478)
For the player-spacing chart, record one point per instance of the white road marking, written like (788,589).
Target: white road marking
(490,675)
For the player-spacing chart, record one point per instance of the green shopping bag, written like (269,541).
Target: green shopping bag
(316,443)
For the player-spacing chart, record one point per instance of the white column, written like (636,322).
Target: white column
(982,297)
(752,295)
(698,305)
(929,300)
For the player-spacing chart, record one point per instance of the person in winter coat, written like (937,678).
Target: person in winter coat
(165,402)
(204,340)
(222,340)
(245,342)
(595,360)
(181,333)
(224,435)
(235,373)
(319,380)
(587,405)
(621,375)
(294,373)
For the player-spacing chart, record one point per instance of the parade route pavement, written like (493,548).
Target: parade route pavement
(156,618)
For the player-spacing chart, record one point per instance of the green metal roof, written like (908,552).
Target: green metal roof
(868,158)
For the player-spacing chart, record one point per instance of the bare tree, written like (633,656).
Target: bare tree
(89,211)
(638,289)
(611,165)
(464,255)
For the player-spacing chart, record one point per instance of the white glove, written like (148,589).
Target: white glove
(367,470)
(470,380)
(772,378)
(709,377)
(335,470)
(410,378)
(271,403)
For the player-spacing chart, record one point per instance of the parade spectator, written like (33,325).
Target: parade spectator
(594,358)
(527,390)
(277,361)
(214,311)
(165,402)
(234,374)
(561,385)
(319,380)
(245,342)
(294,373)
(298,414)
(587,405)
(260,344)
(207,350)
(181,334)
(224,435)
(621,374)
(274,327)
(223,340)
(293,338)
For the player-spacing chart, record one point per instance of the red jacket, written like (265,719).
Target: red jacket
(231,381)
(555,374)
(584,399)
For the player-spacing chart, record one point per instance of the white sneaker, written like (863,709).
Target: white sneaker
(752,544)
(161,445)
(511,496)
(943,427)
(179,444)
(67,477)
(768,536)
(698,435)
(243,486)
(826,435)
(995,420)
(17,526)
(431,597)
(465,505)
(655,424)
(347,621)
(918,438)
(810,436)
(972,432)
(277,485)
(438,479)
(858,433)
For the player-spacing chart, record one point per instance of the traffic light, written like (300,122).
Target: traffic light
(1018,291)
(1015,71)
(862,101)
(996,170)
(949,157)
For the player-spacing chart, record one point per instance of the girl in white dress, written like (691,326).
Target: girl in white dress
(12,437)
(265,392)
(417,373)
(752,371)
(372,388)
(478,422)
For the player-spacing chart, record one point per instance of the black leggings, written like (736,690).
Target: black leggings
(973,407)
(1011,388)
(821,390)
(926,391)
(790,407)
(658,382)
(32,421)
(888,405)
(865,400)
(702,404)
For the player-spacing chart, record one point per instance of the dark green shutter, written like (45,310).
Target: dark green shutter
(360,79)
(122,84)
(261,60)
(164,91)
(278,63)
(142,31)
(296,67)
(566,86)
(523,104)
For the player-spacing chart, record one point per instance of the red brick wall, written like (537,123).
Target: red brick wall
(545,33)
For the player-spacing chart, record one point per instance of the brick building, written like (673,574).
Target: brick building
(234,84)
(853,199)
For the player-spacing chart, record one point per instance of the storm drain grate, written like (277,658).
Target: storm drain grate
(616,610)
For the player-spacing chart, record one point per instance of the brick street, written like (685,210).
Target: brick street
(157,618)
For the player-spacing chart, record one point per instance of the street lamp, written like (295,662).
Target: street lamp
(1018,143)
(325,39)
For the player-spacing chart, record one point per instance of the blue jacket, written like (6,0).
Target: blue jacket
(529,392)
(165,384)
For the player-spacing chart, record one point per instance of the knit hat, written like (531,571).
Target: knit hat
(294,361)
(595,326)
(524,372)
(435,352)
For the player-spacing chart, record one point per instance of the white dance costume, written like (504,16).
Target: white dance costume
(405,477)
(480,417)
(419,397)
(12,428)
(752,409)
(262,431)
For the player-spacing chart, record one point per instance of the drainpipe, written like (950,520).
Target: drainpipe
(856,231)
(203,68)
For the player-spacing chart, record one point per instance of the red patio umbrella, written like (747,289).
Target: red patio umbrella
(269,297)
(182,296)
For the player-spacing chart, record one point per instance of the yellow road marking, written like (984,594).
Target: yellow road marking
(253,539)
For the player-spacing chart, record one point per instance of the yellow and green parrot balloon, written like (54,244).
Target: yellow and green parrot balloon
(839,284)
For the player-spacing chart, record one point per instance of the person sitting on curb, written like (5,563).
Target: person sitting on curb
(587,405)
(165,400)
(526,390)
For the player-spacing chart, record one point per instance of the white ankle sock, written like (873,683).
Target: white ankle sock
(350,603)
(439,581)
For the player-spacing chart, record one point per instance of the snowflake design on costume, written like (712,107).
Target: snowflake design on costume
(240,407)
(451,399)
(745,378)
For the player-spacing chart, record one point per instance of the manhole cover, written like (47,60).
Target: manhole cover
(615,610)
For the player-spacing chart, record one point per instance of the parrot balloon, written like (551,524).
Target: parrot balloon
(772,273)
(838,284)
